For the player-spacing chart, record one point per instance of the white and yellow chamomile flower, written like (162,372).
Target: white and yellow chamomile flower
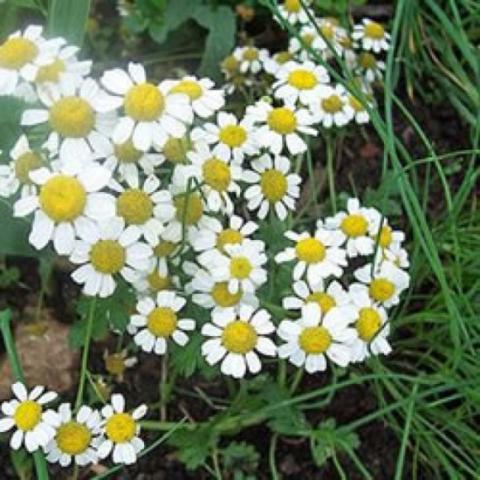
(360,113)
(34,426)
(122,431)
(275,62)
(319,255)
(150,113)
(274,186)
(383,234)
(250,58)
(316,336)
(152,280)
(369,67)
(107,251)
(331,108)
(66,205)
(238,338)
(157,321)
(279,127)
(294,12)
(371,35)
(76,437)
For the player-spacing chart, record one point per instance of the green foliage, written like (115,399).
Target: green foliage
(241,460)
(337,7)
(68,19)
(8,276)
(22,463)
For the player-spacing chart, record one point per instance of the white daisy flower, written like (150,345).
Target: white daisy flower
(396,255)
(315,337)
(157,321)
(121,431)
(241,265)
(76,437)
(293,11)
(326,298)
(175,150)
(165,252)
(279,126)
(34,426)
(371,325)
(139,205)
(230,67)
(319,255)
(229,137)
(154,280)
(332,108)
(150,112)
(385,283)
(299,82)
(80,119)
(106,251)
(217,175)
(16,175)
(369,67)
(274,186)
(274,63)
(386,237)
(205,100)
(360,114)
(21,55)
(372,36)
(355,226)
(250,59)
(214,234)
(237,337)
(66,206)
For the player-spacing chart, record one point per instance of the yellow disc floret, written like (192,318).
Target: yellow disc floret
(367,60)
(16,53)
(230,64)
(233,135)
(63,198)
(374,30)
(386,236)
(27,415)
(72,117)
(229,236)
(240,267)
(157,282)
(127,153)
(189,208)
(315,340)
(250,54)
(310,250)
(302,79)
(26,163)
(332,104)
(134,206)
(175,150)
(381,289)
(107,256)
(223,297)
(282,120)
(162,322)
(51,72)
(216,174)
(368,323)
(325,301)
(120,428)
(188,87)
(164,248)
(73,438)
(274,185)
(115,364)
(354,225)
(283,57)
(144,102)
(292,6)
(239,337)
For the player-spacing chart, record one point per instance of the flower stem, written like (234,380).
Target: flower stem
(5,318)
(86,349)
(331,172)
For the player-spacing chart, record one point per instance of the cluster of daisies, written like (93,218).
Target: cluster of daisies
(301,87)
(66,435)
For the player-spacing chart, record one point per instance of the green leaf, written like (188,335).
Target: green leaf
(239,458)
(11,108)
(68,19)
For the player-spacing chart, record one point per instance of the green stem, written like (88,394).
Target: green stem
(331,172)
(86,349)
(296,380)
(5,318)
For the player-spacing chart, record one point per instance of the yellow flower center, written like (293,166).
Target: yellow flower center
(175,150)
(283,57)
(223,297)
(332,104)
(26,163)
(282,120)
(189,208)
(315,340)
(162,322)
(115,364)
(229,236)
(324,300)
(51,72)
(292,6)
(156,282)
(233,135)
(144,102)
(374,30)
(107,256)
(274,185)
(368,323)
(381,289)
(386,236)
(239,337)
(121,427)
(72,117)
(27,415)
(367,60)
(230,64)
(190,88)
(250,54)
(355,103)
(73,438)
(308,38)
(302,79)
(127,153)
(216,174)
(17,52)
(164,248)
(62,198)
(327,30)
(354,225)
(134,206)
(310,250)
(240,268)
